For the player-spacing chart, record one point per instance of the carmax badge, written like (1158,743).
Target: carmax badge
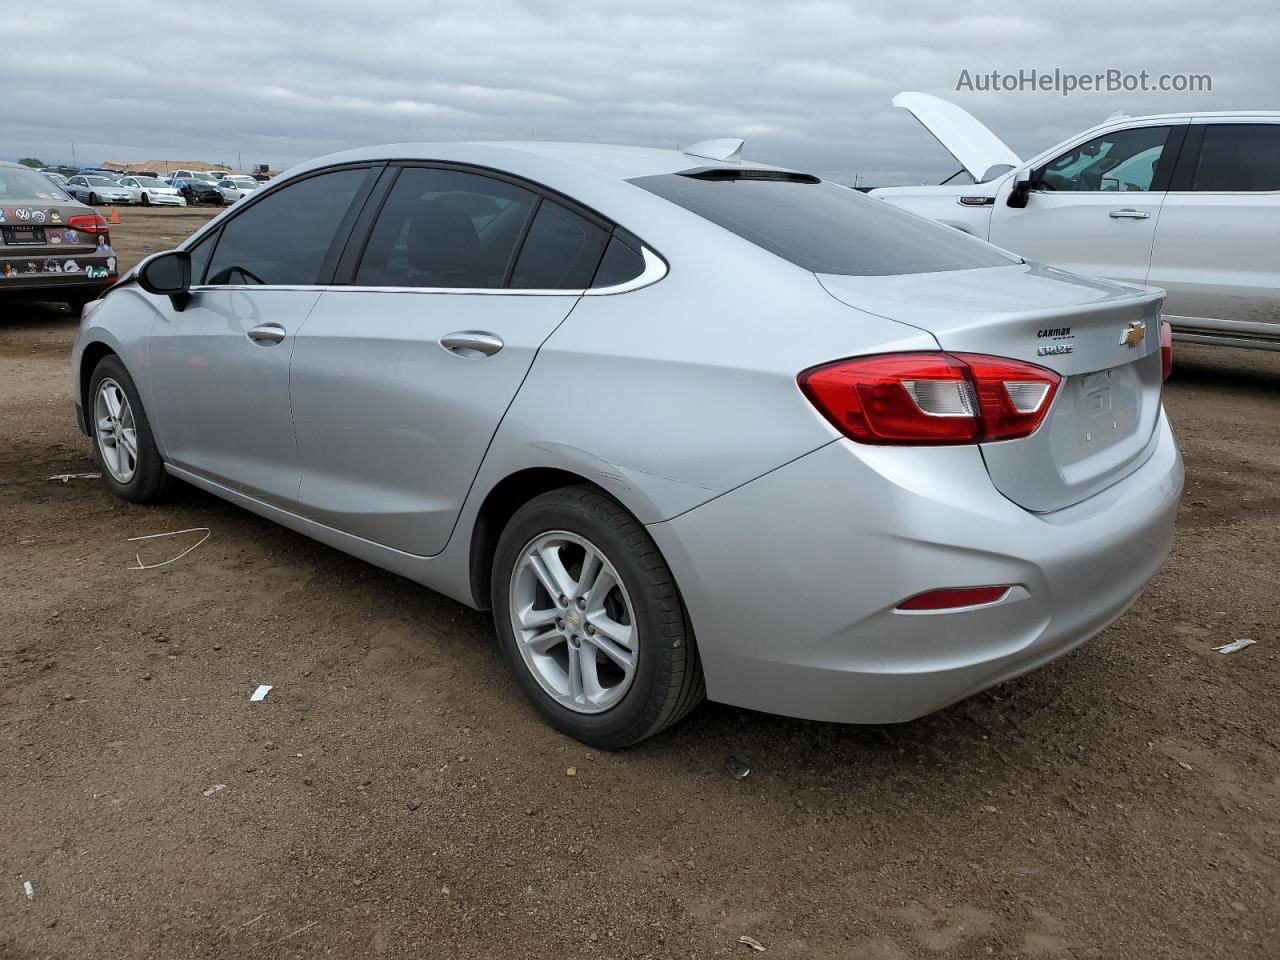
(1133,334)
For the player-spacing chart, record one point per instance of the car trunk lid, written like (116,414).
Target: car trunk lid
(1101,337)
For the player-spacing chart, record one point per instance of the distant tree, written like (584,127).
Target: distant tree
(32,162)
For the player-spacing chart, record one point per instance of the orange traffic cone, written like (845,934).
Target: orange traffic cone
(115,215)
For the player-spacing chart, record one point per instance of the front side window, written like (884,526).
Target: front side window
(1121,161)
(1239,157)
(821,226)
(445,228)
(284,237)
(561,251)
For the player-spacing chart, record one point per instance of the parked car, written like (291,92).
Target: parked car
(693,418)
(96,190)
(187,175)
(52,247)
(196,190)
(57,179)
(217,175)
(152,190)
(1186,202)
(234,188)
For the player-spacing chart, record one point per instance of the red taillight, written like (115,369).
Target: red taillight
(931,398)
(1166,349)
(954,597)
(88,223)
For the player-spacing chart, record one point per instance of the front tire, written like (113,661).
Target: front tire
(93,199)
(590,620)
(146,200)
(123,443)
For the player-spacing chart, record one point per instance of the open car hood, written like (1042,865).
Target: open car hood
(982,154)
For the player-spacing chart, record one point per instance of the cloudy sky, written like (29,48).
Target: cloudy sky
(806,84)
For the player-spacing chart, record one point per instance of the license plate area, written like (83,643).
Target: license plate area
(23,236)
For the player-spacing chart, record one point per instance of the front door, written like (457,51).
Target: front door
(401,378)
(220,367)
(1092,210)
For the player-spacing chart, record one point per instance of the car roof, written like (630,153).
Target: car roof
(523,158)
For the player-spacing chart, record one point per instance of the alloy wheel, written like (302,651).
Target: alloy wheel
(115,430)
(574,622)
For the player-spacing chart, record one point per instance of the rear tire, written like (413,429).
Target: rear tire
(665,682)
(148,479)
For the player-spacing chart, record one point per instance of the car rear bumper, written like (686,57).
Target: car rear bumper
(792,580)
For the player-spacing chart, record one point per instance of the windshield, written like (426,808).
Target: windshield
(149,182)
(22,183)
(821,226)
(101,182)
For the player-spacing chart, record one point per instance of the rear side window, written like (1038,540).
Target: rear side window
(445,228)
(823,227)
(621,263)
(561,251)
(1239,157)
(284,237)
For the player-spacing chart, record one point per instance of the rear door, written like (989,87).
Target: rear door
(1217,247)
(220,367)
(401,376)
(1093,208)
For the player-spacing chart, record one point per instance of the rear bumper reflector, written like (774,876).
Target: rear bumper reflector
(954,598)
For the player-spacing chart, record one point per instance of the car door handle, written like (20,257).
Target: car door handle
(266,333)
(1128,214)
(472,343)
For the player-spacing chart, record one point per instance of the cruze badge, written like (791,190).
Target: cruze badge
(1064,341)
(1133,334)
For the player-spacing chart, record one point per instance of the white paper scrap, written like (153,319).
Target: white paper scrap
(30,888)
(1235,645)
(260,693)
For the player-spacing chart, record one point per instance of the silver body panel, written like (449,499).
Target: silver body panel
(676,394)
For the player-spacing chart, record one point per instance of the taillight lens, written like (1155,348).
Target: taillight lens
(931,398)
(88,223)
(1166,348)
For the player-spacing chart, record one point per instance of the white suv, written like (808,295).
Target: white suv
(1200,214)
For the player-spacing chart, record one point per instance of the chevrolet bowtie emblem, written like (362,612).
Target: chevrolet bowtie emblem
(1133,334)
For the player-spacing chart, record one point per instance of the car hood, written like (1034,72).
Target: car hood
(982,154)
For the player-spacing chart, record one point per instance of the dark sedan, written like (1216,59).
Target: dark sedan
(199,191)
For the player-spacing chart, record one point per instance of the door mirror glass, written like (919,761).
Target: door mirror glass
(166,274)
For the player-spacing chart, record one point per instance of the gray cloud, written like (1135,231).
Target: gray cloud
(807,84)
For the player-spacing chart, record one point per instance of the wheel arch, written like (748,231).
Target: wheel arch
(93,354)
(499,505)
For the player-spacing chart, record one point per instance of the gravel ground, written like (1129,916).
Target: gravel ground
(394,796)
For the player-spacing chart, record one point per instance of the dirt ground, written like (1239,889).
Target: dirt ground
(394,796)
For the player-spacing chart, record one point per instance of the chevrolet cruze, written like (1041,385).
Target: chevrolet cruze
(685,424)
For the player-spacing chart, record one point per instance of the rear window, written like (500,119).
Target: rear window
(823,227)
(19,184)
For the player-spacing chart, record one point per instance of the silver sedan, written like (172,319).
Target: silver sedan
(686,424)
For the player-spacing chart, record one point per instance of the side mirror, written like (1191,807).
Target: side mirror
(168,274)
(1022,183)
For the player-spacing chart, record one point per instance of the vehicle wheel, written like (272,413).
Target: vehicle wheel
(589,618)
(122,438)
(93,199)
(146,200)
